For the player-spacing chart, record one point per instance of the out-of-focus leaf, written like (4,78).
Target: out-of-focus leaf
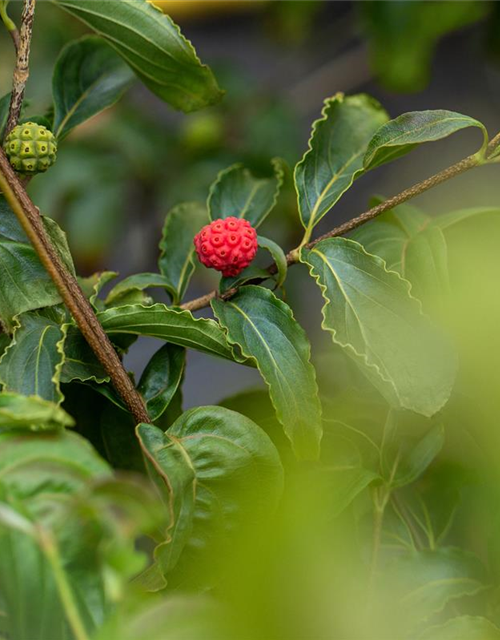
(177,327)
(266,331)
(334,160)
(11,519)
(21,556)
(426,266)
(192,617)
(39,472)
(342,475)
(463,628)
(412,244)
(88,77)
(293,22)
(219,472)
(31,364)
(237,192)
(404,459)
(25,283)
(23,412)
(153,46)
(449,220)
(57,462)
(161,379)
(404,35)
(399,136)
(176,262)
(370,313)
(389,234)
(427,580)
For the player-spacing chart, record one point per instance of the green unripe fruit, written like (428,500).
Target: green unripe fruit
(31,148)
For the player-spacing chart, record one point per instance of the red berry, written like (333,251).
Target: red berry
(228,245)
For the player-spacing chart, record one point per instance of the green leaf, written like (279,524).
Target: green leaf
(31,364)
(256,405)
(412,244)
(342,475)
(399,136)
(334,160)
(161,379)
(247,275)
(252,272)
(176,262)
(405,459)
(237,192)
(449,220)
(389,234)
(80,362)
(278,256)
(25,283)
(177,327)
(11,519)
(45,121)
(427,580)
(371,314)
(57,462)
(137,282)
(22,412)
(172,617)
(426,266)
(220,473)
(88,78)
(117,428)
(21,556)
(153,46)
(39,473)
(463,628)
(92,285)
(266,331)
(4,112)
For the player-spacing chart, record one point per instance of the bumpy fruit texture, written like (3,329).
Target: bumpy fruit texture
(31,148)
(228,245)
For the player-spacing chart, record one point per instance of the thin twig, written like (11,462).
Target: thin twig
(22,70)
(293,257)
(73,297)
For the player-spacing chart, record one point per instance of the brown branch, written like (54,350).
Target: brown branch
(293,256)
(22,71)
(70,291)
